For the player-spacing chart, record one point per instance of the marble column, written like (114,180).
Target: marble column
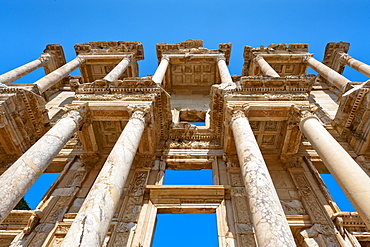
(354,182)
(117,71)
(161,70)
(92,221)
(355,64)
(329,74)
(19,177)
(23,70)
(266,67)
(224,72)
(270,224)
(51,79)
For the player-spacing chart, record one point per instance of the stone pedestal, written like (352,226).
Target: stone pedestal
(92,222)
(49,80)
(117,71)
(329,74)
(266,67)
(161,70)
(355,64)
(268,217)
(352,179)
(17,179)
(23,70)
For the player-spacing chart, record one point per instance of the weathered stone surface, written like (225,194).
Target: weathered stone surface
(267,189)
(92,221)
(18,178)
(49,80)
(268,216)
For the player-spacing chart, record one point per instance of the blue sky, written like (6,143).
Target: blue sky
(27,26)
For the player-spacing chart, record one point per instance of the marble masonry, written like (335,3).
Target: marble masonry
(266,135)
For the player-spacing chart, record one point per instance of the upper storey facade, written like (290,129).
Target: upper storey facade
(266,134)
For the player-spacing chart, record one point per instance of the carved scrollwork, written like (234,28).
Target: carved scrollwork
(220,57)
(79,113)
(237,111)
(139,111)
(299,112)
(291,161)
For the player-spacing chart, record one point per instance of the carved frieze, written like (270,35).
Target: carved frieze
(333,53)
(323,228)
(285,59)
(23,120)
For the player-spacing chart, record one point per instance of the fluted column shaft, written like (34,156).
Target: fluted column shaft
(92,221)
(329,74)
(266,67)
(224,72)
(161,70)
(18,178)
(50,79)
(23,70)
(355,64)
(117,71)
(268,217)
(354,182)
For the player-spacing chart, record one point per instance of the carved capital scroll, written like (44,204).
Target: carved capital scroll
(300,112)
(79,113)
(237,111)
(220,57)
(139,112)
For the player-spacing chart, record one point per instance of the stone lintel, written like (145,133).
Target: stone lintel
(181,193)
(265,84)
(191,48)
(285,60)
(111,110)
(127,85)
(111,48)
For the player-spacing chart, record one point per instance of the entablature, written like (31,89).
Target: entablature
(192,69)
(23,120)
(102,57)
(353,115)
(285,60)
(333,53)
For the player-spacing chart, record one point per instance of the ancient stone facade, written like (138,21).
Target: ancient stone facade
(267,135)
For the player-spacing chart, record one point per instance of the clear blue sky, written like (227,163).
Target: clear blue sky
(27,26)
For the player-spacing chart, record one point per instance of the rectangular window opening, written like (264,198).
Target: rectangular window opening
(188,177)
(39,188)
(337,193)
(184,230)
(198,123)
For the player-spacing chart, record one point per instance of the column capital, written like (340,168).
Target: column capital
(165,57)
(306,57)
(291,160)
(81,59)
(300,112)
(140,112)
(89,160)
(45,58)
(220,57)
(79,113)
(344,57)
(129,58)
(237,110)
(258,57)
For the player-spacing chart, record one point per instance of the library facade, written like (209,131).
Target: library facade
(266,135)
